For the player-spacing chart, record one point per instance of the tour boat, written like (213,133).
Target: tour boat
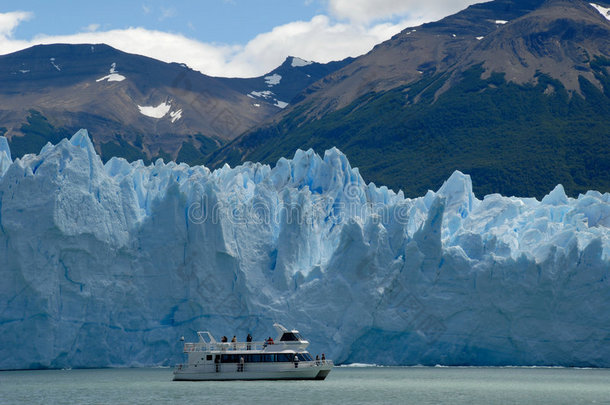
(286,358)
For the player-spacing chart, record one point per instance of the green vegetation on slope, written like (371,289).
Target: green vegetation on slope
(193,155)
(122,149)
(37,132)
(512,139)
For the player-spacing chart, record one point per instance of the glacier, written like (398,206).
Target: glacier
(110,264)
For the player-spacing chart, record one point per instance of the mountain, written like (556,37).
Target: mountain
(109,264)
(280,86)
(514,92)
(134,106)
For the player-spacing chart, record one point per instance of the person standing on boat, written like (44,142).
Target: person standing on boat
(234,340)
(249,340)
(296,361)
(323,358)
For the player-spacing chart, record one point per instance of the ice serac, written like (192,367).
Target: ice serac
(5,155)
(108,265)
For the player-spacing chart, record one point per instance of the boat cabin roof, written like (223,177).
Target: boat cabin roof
(287,341)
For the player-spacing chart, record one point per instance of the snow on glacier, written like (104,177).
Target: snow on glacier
(109,264)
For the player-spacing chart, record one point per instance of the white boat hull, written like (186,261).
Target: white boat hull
(254,372)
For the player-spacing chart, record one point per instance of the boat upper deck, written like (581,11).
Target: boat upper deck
(287,341)
(222,347)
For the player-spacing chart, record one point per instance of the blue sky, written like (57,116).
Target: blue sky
(234,21)
(220,37)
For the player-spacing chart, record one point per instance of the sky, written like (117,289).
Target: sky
(229,38)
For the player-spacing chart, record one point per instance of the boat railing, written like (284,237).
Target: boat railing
(223,346)
(315,363)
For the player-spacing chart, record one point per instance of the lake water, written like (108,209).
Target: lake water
(345,385)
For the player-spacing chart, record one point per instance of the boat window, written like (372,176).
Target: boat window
(304,357)
(290,337)
(264,358)
(285,357)
(230,358)
(208,357)
(252,358)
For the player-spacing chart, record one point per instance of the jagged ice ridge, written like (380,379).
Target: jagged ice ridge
(108,265)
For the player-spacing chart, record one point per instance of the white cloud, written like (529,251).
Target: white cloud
(92,27)
(10,21)
(321,39)
(366,11)
(318,39)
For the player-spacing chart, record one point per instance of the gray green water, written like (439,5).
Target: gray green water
(345,385)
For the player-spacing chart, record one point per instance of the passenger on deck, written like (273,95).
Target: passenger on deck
(249,340)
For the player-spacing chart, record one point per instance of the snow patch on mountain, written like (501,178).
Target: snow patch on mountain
(269,96)
(273,79)
(298,62)
(109,264)
(266,94)
(158,111)
(52,60)
(113,75)
(175,115)
(602,10)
